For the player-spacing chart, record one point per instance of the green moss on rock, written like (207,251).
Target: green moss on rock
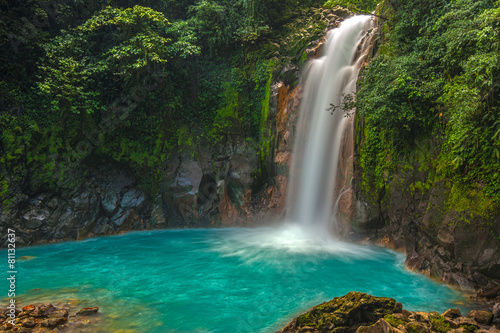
(393,321)
(438,323)
(343,314)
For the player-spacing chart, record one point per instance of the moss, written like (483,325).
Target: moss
(226,117)
(5,198)
(469,328)
(185,140)
(265,103)
(393,321)
(438,323)
(413,328)
(351,310)
(472,201)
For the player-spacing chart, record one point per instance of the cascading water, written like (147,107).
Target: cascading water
(311,197)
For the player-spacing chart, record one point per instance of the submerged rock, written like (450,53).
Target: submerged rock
(88,311)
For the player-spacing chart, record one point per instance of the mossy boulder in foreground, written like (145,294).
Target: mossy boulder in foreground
(344,314)
(362,313)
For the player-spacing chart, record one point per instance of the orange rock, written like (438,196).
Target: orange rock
(30,307)
(88,311)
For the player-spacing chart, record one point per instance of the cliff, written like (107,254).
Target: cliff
(224,177)
(421,187)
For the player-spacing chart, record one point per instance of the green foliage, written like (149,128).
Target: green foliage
(226,121)
(366,6)
(134,82)
(265,102)
(78,67)
(435,80)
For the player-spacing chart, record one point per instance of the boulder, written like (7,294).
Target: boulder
(343,313)
(422,317)
(465,321)
(452,313)
(480,316)
(414,327)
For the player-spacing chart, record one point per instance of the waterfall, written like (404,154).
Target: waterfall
(311,195)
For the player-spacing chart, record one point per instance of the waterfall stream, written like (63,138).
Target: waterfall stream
(311,195)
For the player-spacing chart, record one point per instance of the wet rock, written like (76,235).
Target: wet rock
(16,311)
(24,330)
(490,293)
(110,203)
(465,321)
(133,199)
(450,323)
(7,326)
(416,327)
(53,203)
(46,308)
(28,323)
(56,321)
(88,311)
(102,226)
(120,217)
(452,313)
(58,314)
(496,313)
(34,218)
(481,317)
(422,317)
(460,280)
(26,258)
(29,308)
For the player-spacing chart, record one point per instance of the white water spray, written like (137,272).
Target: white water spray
(311,198)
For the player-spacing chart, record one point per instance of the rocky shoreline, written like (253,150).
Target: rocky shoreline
(45,318)
(362,313)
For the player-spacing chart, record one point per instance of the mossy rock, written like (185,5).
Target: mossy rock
(343,314)
(438,323)
(393,321)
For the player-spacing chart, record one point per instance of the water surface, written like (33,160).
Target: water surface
(219,280)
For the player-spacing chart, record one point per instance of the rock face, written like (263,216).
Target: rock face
(438,240)
(239,182)
(416,214)
(284,108)
(362,313)
(195,192)
(227,185)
